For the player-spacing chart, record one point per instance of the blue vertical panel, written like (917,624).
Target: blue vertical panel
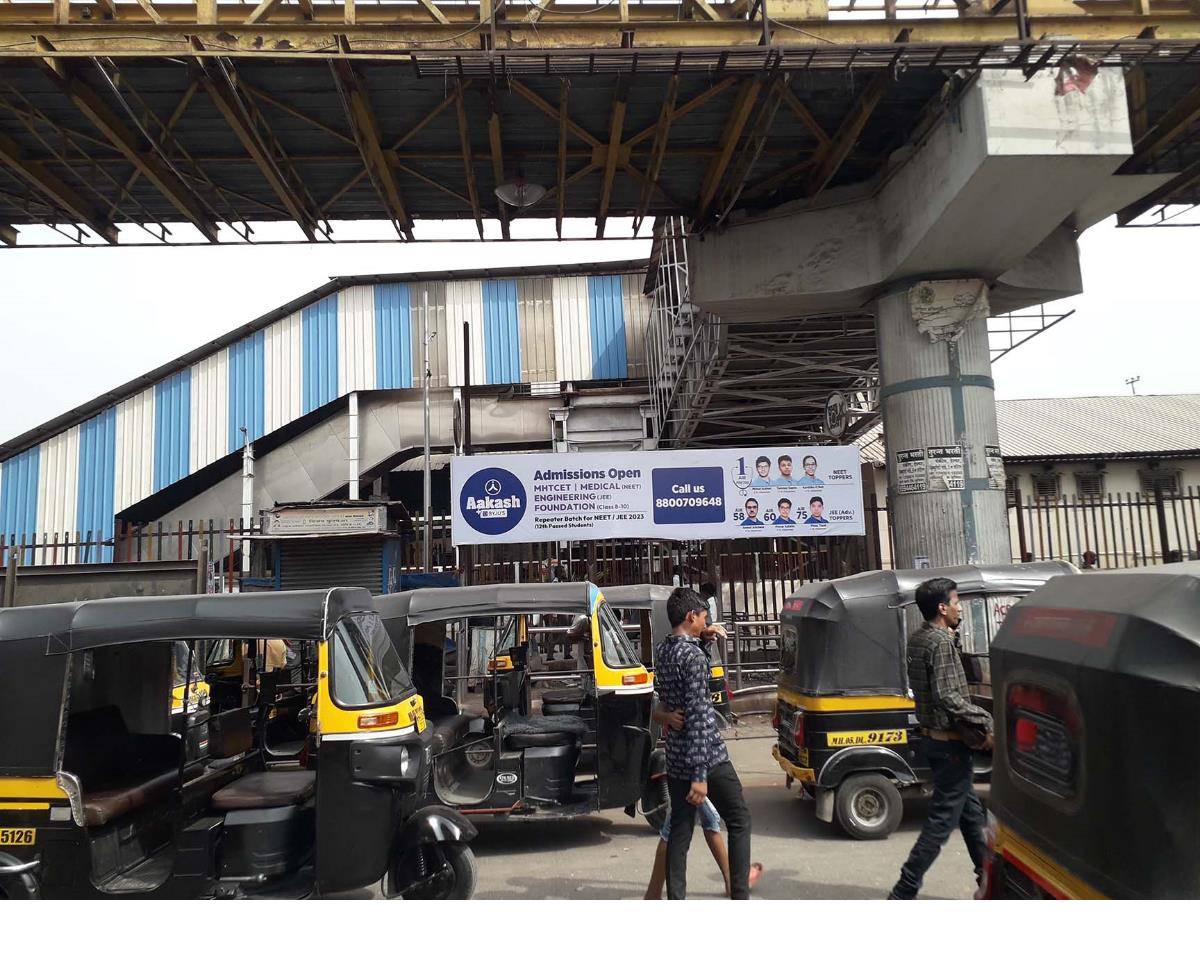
(97,469)
(501,337)
(247,376)
(172,428)
(19,494)
(320,353)
(393,336)
(607,327)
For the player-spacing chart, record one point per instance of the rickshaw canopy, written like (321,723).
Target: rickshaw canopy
(33,640)
(433,605)
(642,597)
(67,627)
(846,635)
(1102,674)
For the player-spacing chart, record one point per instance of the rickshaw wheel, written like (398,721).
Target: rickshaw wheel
(461,859)
(868,806)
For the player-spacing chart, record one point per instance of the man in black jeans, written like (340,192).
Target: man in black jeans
(698,766)
(944,710)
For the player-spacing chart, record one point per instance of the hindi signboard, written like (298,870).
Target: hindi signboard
(693,494)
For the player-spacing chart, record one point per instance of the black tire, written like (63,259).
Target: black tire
(868,806)
(461,859)
(655,800)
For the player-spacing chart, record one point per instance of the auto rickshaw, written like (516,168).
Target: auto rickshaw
(98,797)
(650,604)
(844,715)
(1096,785)
(586,749)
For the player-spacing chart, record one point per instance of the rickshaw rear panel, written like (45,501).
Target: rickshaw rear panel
(1096,787)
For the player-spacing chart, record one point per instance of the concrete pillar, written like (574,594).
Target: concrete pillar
(938,401)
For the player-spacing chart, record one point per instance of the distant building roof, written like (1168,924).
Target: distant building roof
(1102,426)
(1097,427)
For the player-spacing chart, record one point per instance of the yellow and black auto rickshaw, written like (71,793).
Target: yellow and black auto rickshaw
(649,603)
(1096,783)
(564,750)
(844,715)
(99,798)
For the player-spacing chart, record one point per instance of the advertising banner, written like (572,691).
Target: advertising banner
(685,495)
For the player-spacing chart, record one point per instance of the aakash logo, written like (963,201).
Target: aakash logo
(492,501)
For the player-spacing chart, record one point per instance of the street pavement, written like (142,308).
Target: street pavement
(609,855)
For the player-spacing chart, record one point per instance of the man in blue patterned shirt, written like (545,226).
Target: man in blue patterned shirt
(698,766)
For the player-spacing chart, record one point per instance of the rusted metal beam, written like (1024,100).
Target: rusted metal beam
(561,195)
(739,115)
(252,131)
(263,11)
(616,127)
(496,145)
(464,137)
(536,100)
(151,163)
(658,150)
(172,120)
(390,31)
(1174,123)
(361,116)
(830,157)
(152,12)
(38,176)
(261,96)
(1182,181)
(752,150)
(434,11)
(702,99)
(801,112)
(8,234)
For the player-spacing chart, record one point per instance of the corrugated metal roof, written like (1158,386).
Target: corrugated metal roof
(1104,426)
(336,283)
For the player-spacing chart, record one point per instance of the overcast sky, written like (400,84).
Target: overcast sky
(78,322)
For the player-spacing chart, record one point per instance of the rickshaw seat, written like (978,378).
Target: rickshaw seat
(118,770)
(102,806)
(563,695)
(448,731)
(258,790)
(539,731)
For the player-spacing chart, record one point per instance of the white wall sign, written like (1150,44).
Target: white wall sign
(326,520)
(995,466)
(946,470)
(685,495)
(910,471)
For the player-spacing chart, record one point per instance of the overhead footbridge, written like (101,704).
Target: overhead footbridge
(128,122)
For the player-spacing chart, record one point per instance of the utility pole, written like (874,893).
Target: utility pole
(247,499)
(1131,382)
(426,335)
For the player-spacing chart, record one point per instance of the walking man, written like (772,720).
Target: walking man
(698,766)
(945,712)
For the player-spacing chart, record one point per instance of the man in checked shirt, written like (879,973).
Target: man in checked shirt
(698,766)
(944,706)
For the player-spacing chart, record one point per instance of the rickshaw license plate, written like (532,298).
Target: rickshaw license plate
(418,716)
(891,736)
(17,836)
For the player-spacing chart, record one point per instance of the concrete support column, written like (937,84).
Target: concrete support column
(938,399)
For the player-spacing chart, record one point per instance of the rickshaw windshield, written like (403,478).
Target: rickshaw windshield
(615,647)
(366,667)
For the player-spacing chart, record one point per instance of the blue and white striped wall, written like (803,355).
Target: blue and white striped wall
(359,338)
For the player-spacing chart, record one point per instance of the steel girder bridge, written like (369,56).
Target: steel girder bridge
(140,121)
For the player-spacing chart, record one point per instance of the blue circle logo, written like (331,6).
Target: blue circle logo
(492,501)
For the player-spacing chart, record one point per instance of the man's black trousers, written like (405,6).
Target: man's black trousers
(725,791)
